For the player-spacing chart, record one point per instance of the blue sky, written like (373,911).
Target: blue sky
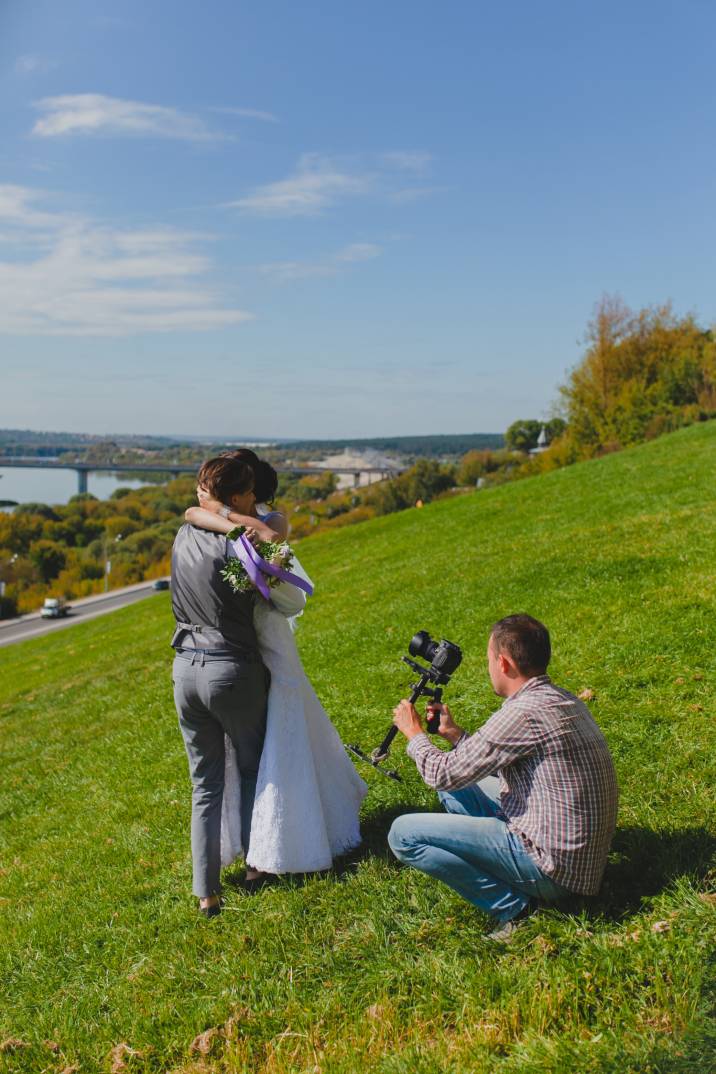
(334,218)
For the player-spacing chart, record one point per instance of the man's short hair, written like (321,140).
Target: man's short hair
(224,476)
(525,640)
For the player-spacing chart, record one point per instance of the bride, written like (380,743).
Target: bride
(308,793)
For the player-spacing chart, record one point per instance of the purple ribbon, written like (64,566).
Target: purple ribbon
(256,567)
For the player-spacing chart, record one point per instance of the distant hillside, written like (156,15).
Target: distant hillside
(32,442)
(17,441)
(451,444)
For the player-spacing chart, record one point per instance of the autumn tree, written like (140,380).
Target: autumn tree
(49,558)
(554,428)
(423,481)
(643,373)
(488,464)
(522,435)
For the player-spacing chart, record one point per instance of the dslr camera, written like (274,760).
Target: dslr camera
(443,658)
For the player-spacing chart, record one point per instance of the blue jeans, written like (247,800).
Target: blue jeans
(473,851)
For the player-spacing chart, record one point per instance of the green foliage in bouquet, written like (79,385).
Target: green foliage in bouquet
(277,552)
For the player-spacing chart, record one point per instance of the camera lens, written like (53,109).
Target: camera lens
(422,645)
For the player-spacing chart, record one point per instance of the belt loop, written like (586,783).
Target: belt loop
(193,658)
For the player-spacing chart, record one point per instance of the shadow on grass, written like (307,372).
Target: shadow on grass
(644,862)
(375,828)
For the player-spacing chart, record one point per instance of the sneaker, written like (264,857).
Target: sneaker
(505,932)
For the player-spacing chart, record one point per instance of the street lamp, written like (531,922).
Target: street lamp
(3,583)
(108,562)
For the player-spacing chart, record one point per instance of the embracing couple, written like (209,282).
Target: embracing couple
(270,779)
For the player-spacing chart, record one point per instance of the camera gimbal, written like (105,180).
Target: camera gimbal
(445,657)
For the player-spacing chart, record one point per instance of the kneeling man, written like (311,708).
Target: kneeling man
(531,796)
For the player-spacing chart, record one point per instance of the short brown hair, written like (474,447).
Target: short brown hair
(224,476)
(525,640)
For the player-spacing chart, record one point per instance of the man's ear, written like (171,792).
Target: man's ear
(507,667)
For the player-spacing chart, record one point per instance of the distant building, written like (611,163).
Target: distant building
(542,443)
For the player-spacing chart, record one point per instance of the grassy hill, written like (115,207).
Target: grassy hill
(372,966)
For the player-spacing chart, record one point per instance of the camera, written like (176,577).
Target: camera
(443,656)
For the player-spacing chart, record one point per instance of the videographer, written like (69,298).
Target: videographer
(531,796)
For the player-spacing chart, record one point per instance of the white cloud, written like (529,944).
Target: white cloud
(317,183)
(248,113)
(359,251)
(17,208)
(410,161)
(73,276)
(31,64)
(320,182)
(331,265)
(93,113)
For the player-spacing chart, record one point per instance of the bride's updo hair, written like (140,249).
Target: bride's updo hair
(266,482)
(265,477)
(244,454)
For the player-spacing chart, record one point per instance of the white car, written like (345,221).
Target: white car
(54,608)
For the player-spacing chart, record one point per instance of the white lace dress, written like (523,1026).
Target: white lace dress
(308,793)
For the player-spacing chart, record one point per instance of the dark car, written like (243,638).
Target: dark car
(160,583)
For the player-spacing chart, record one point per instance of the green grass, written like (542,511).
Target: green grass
(374,967)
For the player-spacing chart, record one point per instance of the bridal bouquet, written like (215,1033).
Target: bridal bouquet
(256,563)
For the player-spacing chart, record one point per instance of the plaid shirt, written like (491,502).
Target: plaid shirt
(558,787)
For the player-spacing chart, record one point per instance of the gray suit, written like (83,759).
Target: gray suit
(220,686)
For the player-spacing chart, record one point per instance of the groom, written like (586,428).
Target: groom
(220,682)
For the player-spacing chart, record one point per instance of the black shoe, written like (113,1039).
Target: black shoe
(210,911)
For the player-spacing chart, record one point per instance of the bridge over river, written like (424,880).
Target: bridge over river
(83,469)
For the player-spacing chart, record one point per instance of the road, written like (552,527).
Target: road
(32,626)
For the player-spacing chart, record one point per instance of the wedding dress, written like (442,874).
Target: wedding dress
(308,793)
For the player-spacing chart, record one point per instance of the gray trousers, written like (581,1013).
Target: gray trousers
(216,695)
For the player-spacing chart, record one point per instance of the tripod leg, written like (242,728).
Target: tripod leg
(384,749)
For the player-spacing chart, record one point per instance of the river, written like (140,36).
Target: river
(55,486)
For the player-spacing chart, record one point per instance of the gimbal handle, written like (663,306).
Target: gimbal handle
(420,689)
